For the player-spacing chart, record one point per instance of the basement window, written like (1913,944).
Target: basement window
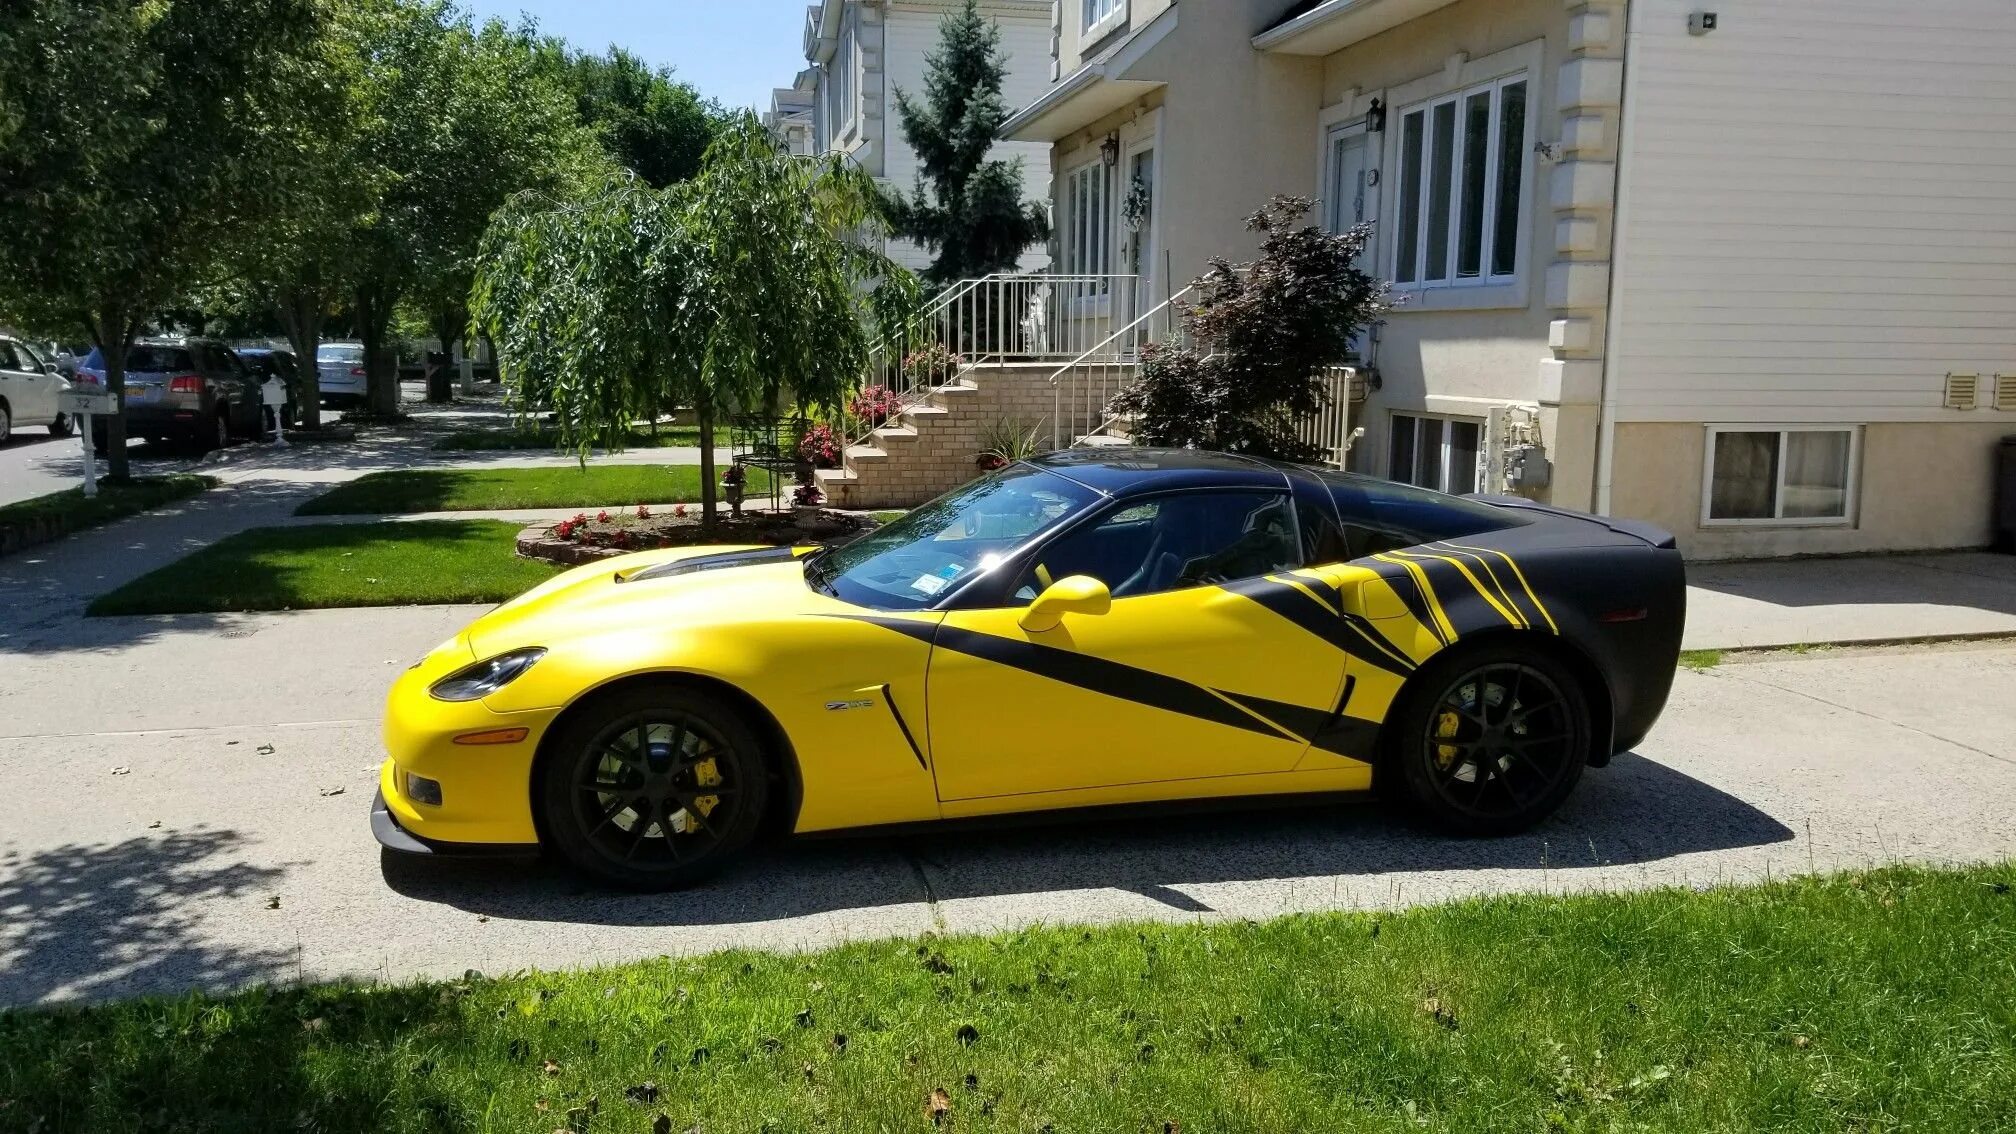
(1792,474)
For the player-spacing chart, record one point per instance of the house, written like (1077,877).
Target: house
(1749,274)
(861,52)
(790,116)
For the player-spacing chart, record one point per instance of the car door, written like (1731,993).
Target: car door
(1185,677)
(18,387)
(44,385)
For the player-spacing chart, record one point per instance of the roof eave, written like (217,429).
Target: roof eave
(1337,24)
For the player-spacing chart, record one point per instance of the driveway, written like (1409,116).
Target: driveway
(186,807)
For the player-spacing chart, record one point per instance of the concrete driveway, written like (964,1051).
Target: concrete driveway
(168,780)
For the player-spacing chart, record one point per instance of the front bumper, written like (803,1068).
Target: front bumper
(390,835)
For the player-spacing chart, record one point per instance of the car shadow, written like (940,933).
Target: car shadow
(1636,811)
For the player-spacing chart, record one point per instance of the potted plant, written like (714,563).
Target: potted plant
(931,365)
(874,406)
(820,447)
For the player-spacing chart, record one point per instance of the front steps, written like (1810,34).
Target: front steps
(934,447)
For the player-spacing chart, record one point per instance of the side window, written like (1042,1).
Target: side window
(1172,542)
(1381,515)
(8,361)
(29,360)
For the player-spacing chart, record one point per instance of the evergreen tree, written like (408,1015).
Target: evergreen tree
(966,209)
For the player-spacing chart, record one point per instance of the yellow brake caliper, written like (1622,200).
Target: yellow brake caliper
(1445,728)
(707,774)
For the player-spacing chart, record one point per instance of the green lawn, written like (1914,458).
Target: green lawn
(114,501)
(567,486)
(545,437)
(328,565)
(1878,1001)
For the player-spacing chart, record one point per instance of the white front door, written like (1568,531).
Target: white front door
(1351,183)
(1137,227)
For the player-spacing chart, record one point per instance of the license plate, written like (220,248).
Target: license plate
(136,392)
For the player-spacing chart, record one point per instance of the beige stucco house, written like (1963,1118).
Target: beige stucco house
(1745,269)
(858,53)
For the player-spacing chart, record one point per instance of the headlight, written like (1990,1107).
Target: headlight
(473,683)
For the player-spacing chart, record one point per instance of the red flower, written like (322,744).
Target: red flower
(643,513)
(679,510)
(602,517)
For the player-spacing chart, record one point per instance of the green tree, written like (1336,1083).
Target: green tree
(650,123)
(966,209)
(134,155)
(462,119)
(741,291)
(1256,340)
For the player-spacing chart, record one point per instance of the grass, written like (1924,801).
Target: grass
(71,511)
(332,565)
(1878,1001)
(1700,659)
(472,490)
(492,440)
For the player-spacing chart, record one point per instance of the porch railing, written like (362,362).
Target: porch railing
(1083,388)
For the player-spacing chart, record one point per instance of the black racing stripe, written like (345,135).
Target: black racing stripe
(715,562)
(1111,679)
(1512,583)
(1296,605)
(1493,575)
(1408,587)
(1456,593)
(1334,731)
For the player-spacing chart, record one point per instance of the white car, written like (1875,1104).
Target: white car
(31,390)
(339,368)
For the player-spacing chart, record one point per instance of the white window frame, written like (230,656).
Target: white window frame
(1426,110)
(1079,259)
(1451,84)
(1100,17)
(843,101)
(1851,494)
(1448,451)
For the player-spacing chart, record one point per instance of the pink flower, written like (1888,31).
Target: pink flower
(643,513)
(602,517)
(679,510)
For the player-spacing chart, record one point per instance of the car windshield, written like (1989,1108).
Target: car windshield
(339,354)
(910,563)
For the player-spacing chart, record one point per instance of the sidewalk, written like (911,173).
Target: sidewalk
(1790,602)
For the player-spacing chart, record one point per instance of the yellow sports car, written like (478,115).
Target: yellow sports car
(1090,628)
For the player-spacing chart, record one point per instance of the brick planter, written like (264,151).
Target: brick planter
(803,526)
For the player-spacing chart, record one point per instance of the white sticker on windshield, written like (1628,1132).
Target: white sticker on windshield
(928,584)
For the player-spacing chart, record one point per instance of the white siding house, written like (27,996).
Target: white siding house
(860,52)
(1755,282)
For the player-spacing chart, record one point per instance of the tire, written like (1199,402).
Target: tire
(1488,740)
(6,424)
(218,436)
(653,745)
(62,426)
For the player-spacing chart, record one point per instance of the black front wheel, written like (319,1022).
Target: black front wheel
(62,426)
(1489,740)
(653,787)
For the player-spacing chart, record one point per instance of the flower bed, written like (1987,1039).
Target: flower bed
(587,537)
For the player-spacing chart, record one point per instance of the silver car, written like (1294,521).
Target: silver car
(31,390)
(340,371)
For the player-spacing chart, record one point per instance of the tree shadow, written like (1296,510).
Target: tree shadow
(1636,811)
(96,921)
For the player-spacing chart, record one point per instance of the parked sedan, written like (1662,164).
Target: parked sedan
(195,391)
(30,390)
(1091,628)
(340,367)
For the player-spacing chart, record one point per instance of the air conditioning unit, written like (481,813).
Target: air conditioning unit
(1963,391)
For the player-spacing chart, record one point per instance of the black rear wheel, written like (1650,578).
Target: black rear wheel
(1490,740)
(653,787)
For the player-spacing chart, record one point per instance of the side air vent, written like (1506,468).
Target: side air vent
(1963,391)
(2005,391)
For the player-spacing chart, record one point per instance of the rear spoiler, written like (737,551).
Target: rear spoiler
(1637,529)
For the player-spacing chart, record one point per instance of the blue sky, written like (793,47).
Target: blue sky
(733,50)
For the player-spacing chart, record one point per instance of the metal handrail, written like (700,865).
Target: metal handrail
(1106,361)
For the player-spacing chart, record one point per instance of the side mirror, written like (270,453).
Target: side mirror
(1078,594)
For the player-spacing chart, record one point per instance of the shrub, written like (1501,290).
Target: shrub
(875,405)
(932,365)
(820,447)
(1258,339)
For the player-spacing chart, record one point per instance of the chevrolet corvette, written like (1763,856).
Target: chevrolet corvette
(1082,630)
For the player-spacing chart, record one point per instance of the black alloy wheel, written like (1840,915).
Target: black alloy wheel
(1493,740)
(654,788)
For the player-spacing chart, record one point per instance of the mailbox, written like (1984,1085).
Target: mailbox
(272,393)
(80,400)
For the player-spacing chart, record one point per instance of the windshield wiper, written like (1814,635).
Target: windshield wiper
(816,575)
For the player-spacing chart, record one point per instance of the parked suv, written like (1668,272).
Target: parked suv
(340,368)
(191,390)
(30,390)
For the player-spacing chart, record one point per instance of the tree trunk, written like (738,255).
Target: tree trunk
(705,412)
(112,333)
(381,375)
(303,310)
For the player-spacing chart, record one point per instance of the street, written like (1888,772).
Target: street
(32,463)
(187,808)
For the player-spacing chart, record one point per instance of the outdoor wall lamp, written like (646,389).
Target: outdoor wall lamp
(1109,150)
(1375,118)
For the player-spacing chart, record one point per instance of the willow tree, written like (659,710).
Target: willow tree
(749,288)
